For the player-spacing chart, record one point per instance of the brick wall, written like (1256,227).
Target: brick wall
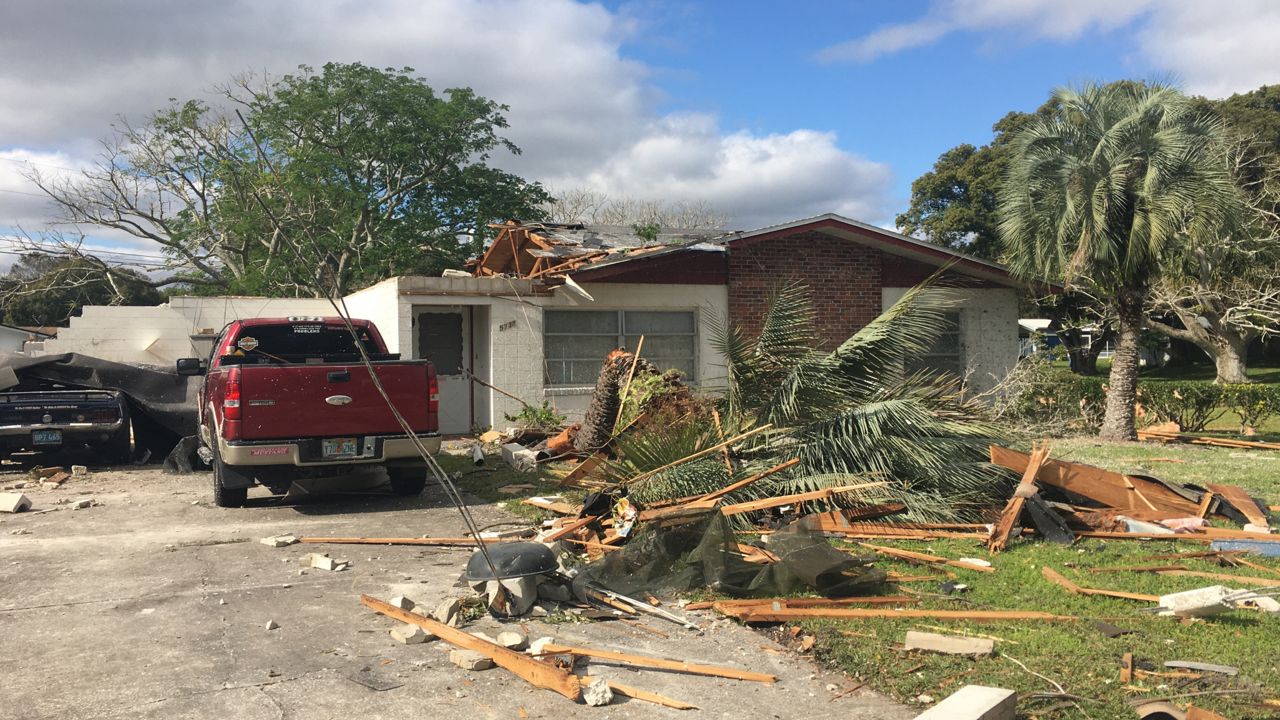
(843,278)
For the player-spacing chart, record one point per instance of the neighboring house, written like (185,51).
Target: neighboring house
(536,315)
(13,338)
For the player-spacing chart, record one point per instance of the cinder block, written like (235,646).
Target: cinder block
(975,702)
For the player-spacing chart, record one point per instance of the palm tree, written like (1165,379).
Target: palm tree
(1105,191)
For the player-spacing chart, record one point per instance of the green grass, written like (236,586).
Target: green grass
(1074,654)
(484,483)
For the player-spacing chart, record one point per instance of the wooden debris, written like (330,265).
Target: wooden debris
(1179,537)
(570,529)
(788,614)
(1236,579)
(905,531)
(728,461)
(560,508)
(840,521)
(1103,486)
(606,600)
(440,541)
(1013,509)
(749,480)
(701,453)
(779,501)
(919,557)
(1240,500)
(1055,577)
(802,602)
(1162,436)
(659,663)
(638,694)
(1126,668)
(535,672)
(692,509)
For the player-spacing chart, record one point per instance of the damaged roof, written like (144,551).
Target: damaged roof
(540,250)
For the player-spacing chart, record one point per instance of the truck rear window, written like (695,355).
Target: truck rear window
(299,341)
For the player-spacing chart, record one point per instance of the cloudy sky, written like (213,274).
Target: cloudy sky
(764,113)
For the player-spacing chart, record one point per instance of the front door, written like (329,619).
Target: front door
(444,338)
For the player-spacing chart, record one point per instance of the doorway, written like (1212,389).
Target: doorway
(444,338)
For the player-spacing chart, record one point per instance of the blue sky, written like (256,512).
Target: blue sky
(764,111)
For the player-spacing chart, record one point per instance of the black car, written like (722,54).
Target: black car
(66,419)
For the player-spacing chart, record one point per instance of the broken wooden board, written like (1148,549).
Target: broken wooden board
(781,500)
(1111,489)
(1177,537)
(695,508)
(560,508)
(1013,509)
(536,673)
(919,557)
(659,663)
(701,453)
(838,521)
(1210,441)
(638,694)
(949,644)
(1241,501)
(803,602)
(1244,580)
(570,529)
(750,480)
(429,542)
(1055,577)
(788,614)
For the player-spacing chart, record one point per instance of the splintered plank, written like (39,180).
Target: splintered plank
(788,614)
(439,541)
(1213,442)
(536,673)
(773,502)
(1224,577)
(1241,501)
(560,508)
(749,480)
(1013,509)
(919,557)
(1055,577)
(838,521)
(571,528)
(766,603)
(1108,488)
(701,453)
(660,663)
(638,694)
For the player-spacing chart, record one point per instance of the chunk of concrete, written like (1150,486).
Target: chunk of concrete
(449,611)
(470,660)
(598,693)
(519,457)
(975,702)
(279,541)
(1200,602)
(14,502)
(323,562)
(79,470)
(513,640)
(949,644)
(411,634)
(402,602)
(272,625)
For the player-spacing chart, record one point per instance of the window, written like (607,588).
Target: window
(947,353)
(576,341)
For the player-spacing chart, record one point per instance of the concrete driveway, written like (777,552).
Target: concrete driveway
(154,604)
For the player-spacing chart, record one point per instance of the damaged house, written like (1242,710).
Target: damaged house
(533,317)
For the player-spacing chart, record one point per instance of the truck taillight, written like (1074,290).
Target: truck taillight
(231,396)
(433,392)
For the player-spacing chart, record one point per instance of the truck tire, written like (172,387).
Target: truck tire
(223,475)
(407,481)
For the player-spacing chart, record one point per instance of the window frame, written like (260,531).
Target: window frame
(619,340)
(926,361)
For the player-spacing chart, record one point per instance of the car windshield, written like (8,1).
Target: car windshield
(299,341)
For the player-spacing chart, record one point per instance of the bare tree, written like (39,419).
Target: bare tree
(591,207)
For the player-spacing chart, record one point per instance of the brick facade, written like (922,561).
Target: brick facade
(844,280)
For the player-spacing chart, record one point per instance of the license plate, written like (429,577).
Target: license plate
(339,447)
(46,437)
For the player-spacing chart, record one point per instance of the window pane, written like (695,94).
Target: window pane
(585,372)
(676,346)
(641,323)
(584,322)
(946,344)
(578,346)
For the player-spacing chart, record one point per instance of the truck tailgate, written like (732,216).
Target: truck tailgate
(331,400)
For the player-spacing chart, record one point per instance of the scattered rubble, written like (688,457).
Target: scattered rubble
(279,541)
(597,693)
(272,625)
(411,634)
(14,502)
(470,660)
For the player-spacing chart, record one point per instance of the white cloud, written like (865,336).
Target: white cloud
(1213,48)
(581,111)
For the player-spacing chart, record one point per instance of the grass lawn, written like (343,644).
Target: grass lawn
(1074,654)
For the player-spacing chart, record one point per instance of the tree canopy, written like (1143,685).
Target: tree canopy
(351,174)
(43,289)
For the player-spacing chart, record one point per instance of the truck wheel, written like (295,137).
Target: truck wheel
(407,481)
(223,474)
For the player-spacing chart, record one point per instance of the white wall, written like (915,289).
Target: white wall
(380,304)
(988,331)
(160,335)
(12,339)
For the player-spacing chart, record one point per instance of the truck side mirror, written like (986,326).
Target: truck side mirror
(190,366)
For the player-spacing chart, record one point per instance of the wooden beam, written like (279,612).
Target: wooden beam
(556,507)
(571,528)
(734,487)
(804,602)
(919,557)
(1238,579)
(1212,442)
(1108,488)
(638,694)
(838,521)
(535,672)
(626,386)
(690,509)
(1013,509)
(659,663)
(1055,577)
(766,503)
(1180,537)
(701,453)
(728,461)
(788,614)
(429,542)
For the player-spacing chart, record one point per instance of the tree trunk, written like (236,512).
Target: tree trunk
(1229,359)
(1122,387)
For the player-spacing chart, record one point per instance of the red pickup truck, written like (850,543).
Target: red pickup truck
(290,398)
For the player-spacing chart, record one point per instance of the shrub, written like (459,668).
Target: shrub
(1050,399)
(543,417)
(1192,404)
(1253,403)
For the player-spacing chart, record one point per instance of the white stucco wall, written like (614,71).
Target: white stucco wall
(988,331)
(161,334)
(12,338)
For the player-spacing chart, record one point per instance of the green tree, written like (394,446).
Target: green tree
(1104,192)
(46,289)
(350,174)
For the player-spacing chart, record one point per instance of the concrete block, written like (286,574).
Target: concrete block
(402,602)
(513,640)
(14,502)
(278,541)
(411,634)
(79,470)
(975,702)
(272,625)
(1200,602)
(449,611)
(598,693)
(324,562)
(949,644)
(470,660)
(520,458)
